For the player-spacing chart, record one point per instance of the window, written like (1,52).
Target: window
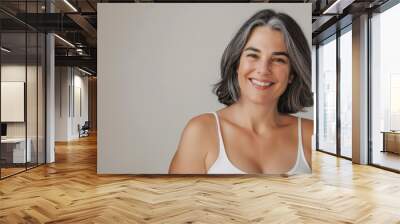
(327,96)
(346,93)
(385,89)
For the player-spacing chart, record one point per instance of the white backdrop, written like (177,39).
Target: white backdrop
(156,67)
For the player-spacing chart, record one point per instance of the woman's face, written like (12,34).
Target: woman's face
(264,67)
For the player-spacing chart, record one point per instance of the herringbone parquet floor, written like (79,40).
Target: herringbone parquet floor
(70,191)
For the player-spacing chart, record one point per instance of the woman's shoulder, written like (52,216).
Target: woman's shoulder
(200,131)
(194,146)
(202,122)
(307,126)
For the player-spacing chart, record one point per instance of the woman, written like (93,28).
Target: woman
(265,76)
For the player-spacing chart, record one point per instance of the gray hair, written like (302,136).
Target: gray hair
(298,94)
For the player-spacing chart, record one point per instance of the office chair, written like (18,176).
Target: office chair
(84,130)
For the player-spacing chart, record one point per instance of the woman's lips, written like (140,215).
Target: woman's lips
(260,85)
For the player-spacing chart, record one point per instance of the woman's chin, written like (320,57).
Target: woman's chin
(265,101)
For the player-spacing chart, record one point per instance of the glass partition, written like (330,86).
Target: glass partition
(13,94)
(22,77)
(32,95)
(327,96)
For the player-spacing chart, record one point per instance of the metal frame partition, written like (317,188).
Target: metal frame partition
(39,38)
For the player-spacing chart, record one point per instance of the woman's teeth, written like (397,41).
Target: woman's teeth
(259,83)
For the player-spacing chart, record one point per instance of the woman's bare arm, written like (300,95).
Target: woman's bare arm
(191,154)
(308,128)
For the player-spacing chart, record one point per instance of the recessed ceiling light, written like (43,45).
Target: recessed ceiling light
(70,5)
(5,50)
(84,71)
(338,6)
(64,40)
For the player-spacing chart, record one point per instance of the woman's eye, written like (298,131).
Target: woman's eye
(280,60)
(252,56)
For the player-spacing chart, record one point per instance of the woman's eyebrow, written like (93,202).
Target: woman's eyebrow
(281,53)
(252,49)
(284,53)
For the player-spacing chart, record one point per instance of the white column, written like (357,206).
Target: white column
(63,102)
(50,92)
(360,90)
(314,91)
(50,100)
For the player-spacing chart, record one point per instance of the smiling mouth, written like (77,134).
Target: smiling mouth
(260,84)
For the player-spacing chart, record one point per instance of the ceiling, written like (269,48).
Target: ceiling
(76,22)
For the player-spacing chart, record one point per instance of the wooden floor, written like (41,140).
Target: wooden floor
(70,191)
(387,159)
(8,171)
(5,172)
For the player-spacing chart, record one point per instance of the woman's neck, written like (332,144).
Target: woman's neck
(257,117)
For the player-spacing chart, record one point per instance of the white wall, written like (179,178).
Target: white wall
(157,64)
(68,80)
(14,72)
(80,83)
(17,73)
(62,80)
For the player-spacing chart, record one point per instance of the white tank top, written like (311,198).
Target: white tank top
(224,166)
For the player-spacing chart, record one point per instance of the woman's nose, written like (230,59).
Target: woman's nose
(264,67)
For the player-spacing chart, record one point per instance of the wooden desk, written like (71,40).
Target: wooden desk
(391,141)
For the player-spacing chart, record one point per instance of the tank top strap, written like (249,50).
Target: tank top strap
(299,135)
(220,142)
(222,165)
